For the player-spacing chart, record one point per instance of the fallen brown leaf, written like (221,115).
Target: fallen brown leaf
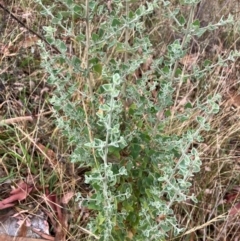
(232,195)
(235,209)
(67,197)
(28,42)
(22,232)
(59,207)
(189,60)
(18,194)
(43,235)
(49,154)
(10,238)
(16,120)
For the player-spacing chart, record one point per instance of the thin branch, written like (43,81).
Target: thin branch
(87,53)
(29,29)
(124,87)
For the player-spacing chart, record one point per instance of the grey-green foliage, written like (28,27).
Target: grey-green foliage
(138,168)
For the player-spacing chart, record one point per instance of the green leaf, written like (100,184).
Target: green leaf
(129,166)
(166,227)
(178,72)
(207,62)
(75,61)
(196,23)
(166,3)
(113,151)
(135,150)
(128,206)
(57,19)
(80,38)
(107,87)
(61,45)
(116,79)
(69,3)
(167,113)
(99,143)
(140,10)
(50,40)
(132,109)
(201,120)
(95,37)
(131,15)
(105,107)
(98,68)
(94,60)
(182,20)
(120,47)
(101,32)
(100,219)
(166,69)
(93,206)
(188,106)
(78,9)
(144,137)
(122,171)
(115,22)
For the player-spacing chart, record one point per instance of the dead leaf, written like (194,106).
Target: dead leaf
(26,15)
(235,101)
(16,120)
(189,60)
(43,235)
(58,206)
(235,209)
(22,232)
(62,225)
(18,194)
(232,195)
(51,155)
(10,238)
(28,42)
(109,5)
(147,65)
(60,209)
(51,200)
(67,197)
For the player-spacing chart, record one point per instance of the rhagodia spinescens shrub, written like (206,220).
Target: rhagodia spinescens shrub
(121,123)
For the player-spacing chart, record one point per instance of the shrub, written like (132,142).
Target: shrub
(116,101)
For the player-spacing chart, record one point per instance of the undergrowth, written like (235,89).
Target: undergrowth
(119,105)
